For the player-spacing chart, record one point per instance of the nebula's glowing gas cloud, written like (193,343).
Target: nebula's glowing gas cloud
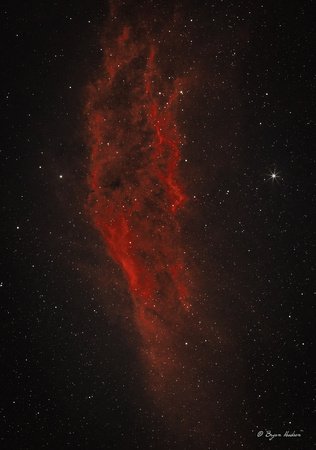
(136,197)
(135,189)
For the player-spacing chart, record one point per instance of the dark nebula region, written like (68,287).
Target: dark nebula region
(137,196)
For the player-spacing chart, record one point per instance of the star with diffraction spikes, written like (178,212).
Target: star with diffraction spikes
(274,175)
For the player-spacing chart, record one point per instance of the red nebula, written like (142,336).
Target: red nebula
(135,189)
(136,198)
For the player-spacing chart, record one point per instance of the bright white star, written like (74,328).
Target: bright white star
(274,175)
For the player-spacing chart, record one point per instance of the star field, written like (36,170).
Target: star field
(157,225)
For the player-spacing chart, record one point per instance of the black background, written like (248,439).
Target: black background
(70,376)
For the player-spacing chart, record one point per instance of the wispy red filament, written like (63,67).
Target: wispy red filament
(135,192)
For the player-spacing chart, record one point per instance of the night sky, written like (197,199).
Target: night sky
(157,238)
